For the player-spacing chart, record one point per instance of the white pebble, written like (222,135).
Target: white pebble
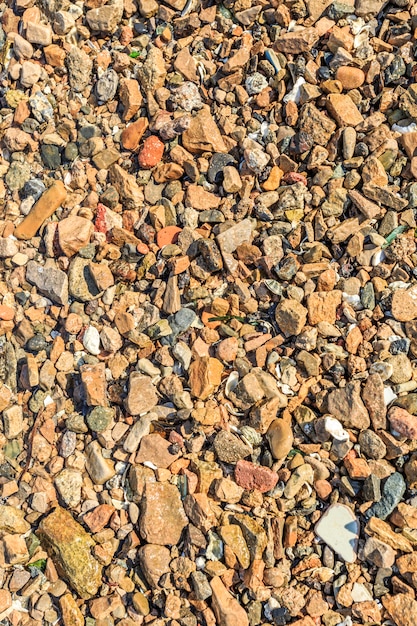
(389,396)
(335,429)
(91,340)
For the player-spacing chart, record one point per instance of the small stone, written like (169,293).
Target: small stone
(205,376)
(74,233)
(140,604)
(347,406)
(403,422)
(402,607)
(69,483)
(151,152)
(70,547)
(133,133)
(231,181)
(13,421)
(392,493)
(40,34)
(105,18)
(99,468)
(80,67)
(343,110)
(404,305)
(50,281)
(250,476)
(233,537)
(378,553)
(156,450)
(372,445)
(100,418)
(350,77)
(142,395)
(154,561)
(226,608)
(291,317)
(229,448)
(203,135)
(162,515)
(280,438)
(296,42)
(91,340)
(94,384)
(339,529)
(44,208)
(71,614)
(12,520)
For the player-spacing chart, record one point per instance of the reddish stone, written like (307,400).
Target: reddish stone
(151,152)
(167,235)
(403,422)
(250,476)
(99,517)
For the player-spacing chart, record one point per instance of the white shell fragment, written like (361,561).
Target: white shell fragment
(339,529)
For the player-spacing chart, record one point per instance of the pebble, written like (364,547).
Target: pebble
(339,529)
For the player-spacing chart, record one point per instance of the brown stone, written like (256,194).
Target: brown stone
(297,41)
(226,608)
(142,395)
(156,450)
(205,375)
(74,233)
(94,382)
(203,134)
(373,398)
(44,208)
(350,77)
(402,608)
(71,614)
(291,317)
(130,97)
(403,306)
(154,561)
(250,476)
(322,306)
(346,405)
(132,134)
(162,515)
(342,108)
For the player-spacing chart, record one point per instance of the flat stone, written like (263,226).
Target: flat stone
(226,608)
(154,561)
(343,110)
(50,281)
(402,608)
(250,476)
(99,468)
(12,520)
(339,529)
(162,519)
(203,134)
(205,376)
(347,406)
(142,396)
(70,549)
(156,450)
(44,208)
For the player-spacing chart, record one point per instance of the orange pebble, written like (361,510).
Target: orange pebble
(6,313)
(205,316)
(167,235)
(142,248)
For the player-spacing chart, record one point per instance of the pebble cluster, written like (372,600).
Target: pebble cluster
(208,313)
